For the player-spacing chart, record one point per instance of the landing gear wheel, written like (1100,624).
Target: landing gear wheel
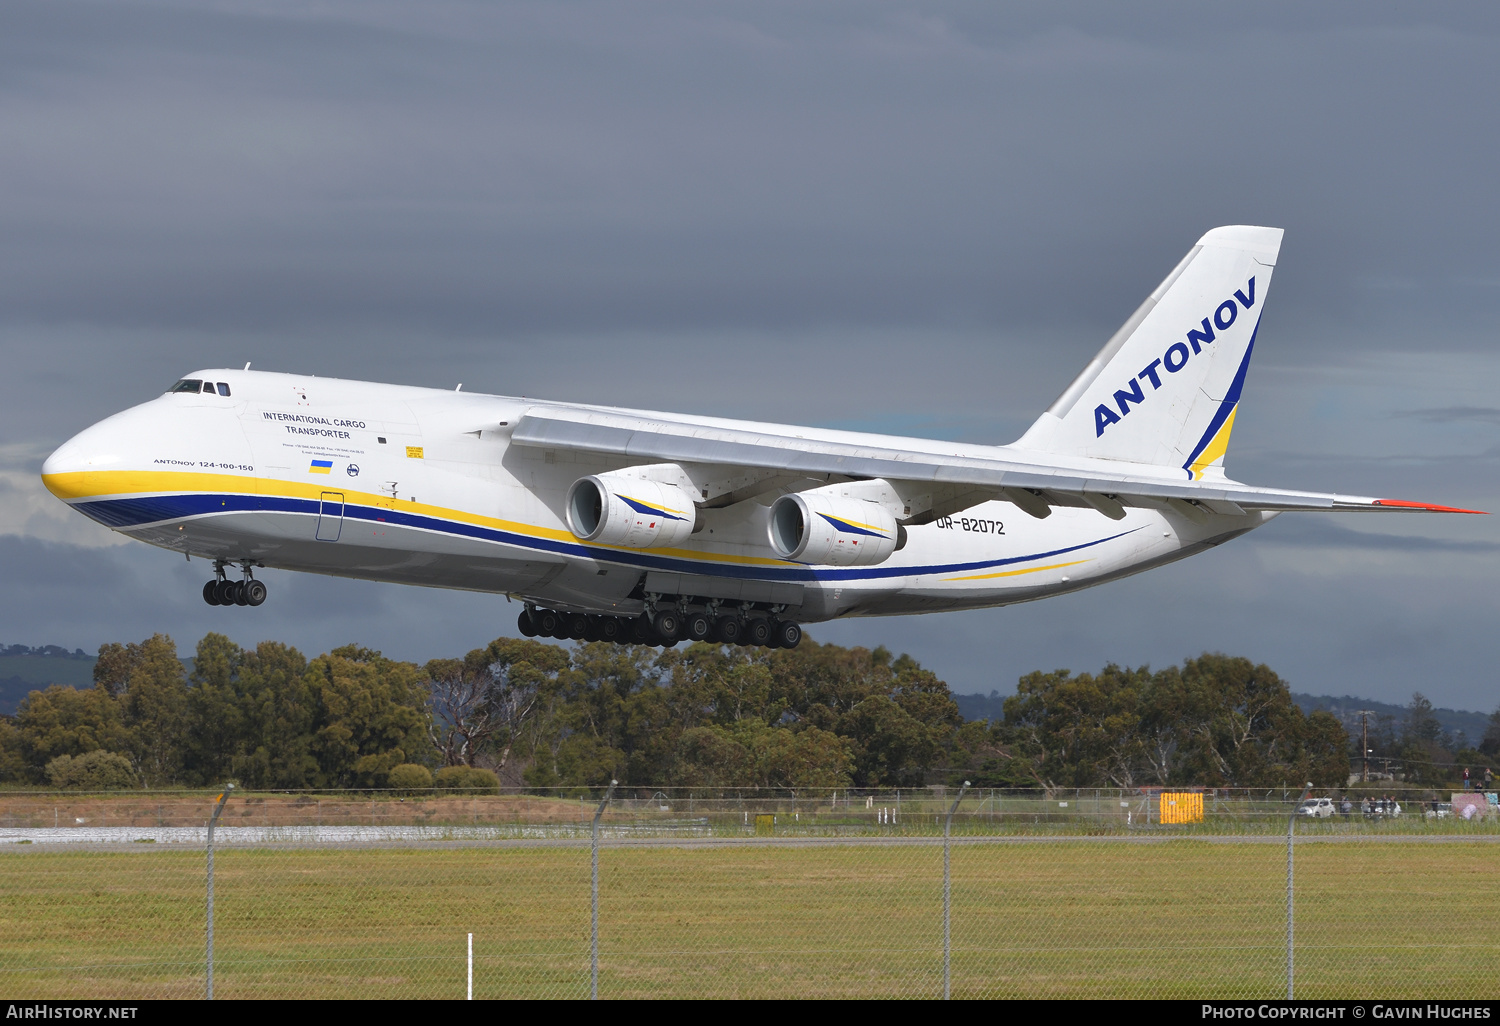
(758,632)
(610,629)
(254,592)
(697,627)
(242,593)
(668,625)
(526,625)
(641,632)
(547,623)
(727,630)
(593,629)
(578,627)
(211,593)
(788,634)
(224,592)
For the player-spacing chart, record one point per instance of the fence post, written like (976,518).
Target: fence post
(212,822)
(1291,830)
(947,892)
(594,900)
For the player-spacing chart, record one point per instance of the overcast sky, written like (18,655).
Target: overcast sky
(897,217)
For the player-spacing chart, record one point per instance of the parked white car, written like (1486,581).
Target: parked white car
(1318,808)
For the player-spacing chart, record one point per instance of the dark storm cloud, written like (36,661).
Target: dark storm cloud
(868,215)
(604,166)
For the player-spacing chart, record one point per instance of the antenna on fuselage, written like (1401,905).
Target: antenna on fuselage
(247,364)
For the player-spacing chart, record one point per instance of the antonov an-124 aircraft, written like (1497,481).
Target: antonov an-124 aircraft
(635,526)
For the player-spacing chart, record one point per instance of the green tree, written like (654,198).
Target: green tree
(155,702)
(1490,743)
(1326,750)
(63,721)
(708,757)
(216,734)
(1080,731)
(1246,730)
(409,777)
(1425,752)
(93,771)
(797,758)
(279,706)
(12,755)
(368,713)
(481,704)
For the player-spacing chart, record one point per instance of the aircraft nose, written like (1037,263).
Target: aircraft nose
(66,472)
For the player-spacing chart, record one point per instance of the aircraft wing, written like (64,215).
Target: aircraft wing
(1030,479)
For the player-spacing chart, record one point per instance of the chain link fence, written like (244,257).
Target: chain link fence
(744,894)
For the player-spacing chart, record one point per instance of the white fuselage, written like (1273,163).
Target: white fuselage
(420,486)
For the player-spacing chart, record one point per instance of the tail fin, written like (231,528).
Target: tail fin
(1164,389)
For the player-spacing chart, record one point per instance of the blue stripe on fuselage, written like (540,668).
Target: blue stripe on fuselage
(145,510)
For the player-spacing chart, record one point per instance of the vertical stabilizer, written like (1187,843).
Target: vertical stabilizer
(1164,389)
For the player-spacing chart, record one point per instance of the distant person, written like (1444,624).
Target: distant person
(1486,778)
(1466,778)
(1346,808)
(1364,806)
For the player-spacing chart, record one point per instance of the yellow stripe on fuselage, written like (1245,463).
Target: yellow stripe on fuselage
(112,484)
(1015,573)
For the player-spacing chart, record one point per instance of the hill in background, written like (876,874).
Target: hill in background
(24,669)
(1345,708)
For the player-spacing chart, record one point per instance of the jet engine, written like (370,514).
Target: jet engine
(832,530)
(618,509)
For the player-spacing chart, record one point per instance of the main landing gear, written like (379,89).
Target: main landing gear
(665,629)
(221,591)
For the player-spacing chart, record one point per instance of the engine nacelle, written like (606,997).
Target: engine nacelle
(832,530)
(616,508)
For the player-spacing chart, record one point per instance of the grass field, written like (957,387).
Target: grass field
(1085,918)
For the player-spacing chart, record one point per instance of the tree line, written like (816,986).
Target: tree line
(538,715)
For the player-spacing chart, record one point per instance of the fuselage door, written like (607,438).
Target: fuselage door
(330,516)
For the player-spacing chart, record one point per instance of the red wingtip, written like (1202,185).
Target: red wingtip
(1429,507)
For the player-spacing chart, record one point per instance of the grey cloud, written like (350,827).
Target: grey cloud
(1453,415)
(1318,532)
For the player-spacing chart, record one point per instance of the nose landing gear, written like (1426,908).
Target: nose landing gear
(221,591)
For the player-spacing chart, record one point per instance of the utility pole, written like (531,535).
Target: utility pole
(1364,744)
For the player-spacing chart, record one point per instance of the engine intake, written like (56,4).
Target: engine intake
(617,509)
(832,530)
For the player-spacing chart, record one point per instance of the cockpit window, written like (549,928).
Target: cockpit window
(188,385)
(223,388)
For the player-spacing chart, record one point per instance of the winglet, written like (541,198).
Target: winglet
(1427,507)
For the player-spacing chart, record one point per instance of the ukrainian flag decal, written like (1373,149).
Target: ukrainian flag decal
(321,467)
